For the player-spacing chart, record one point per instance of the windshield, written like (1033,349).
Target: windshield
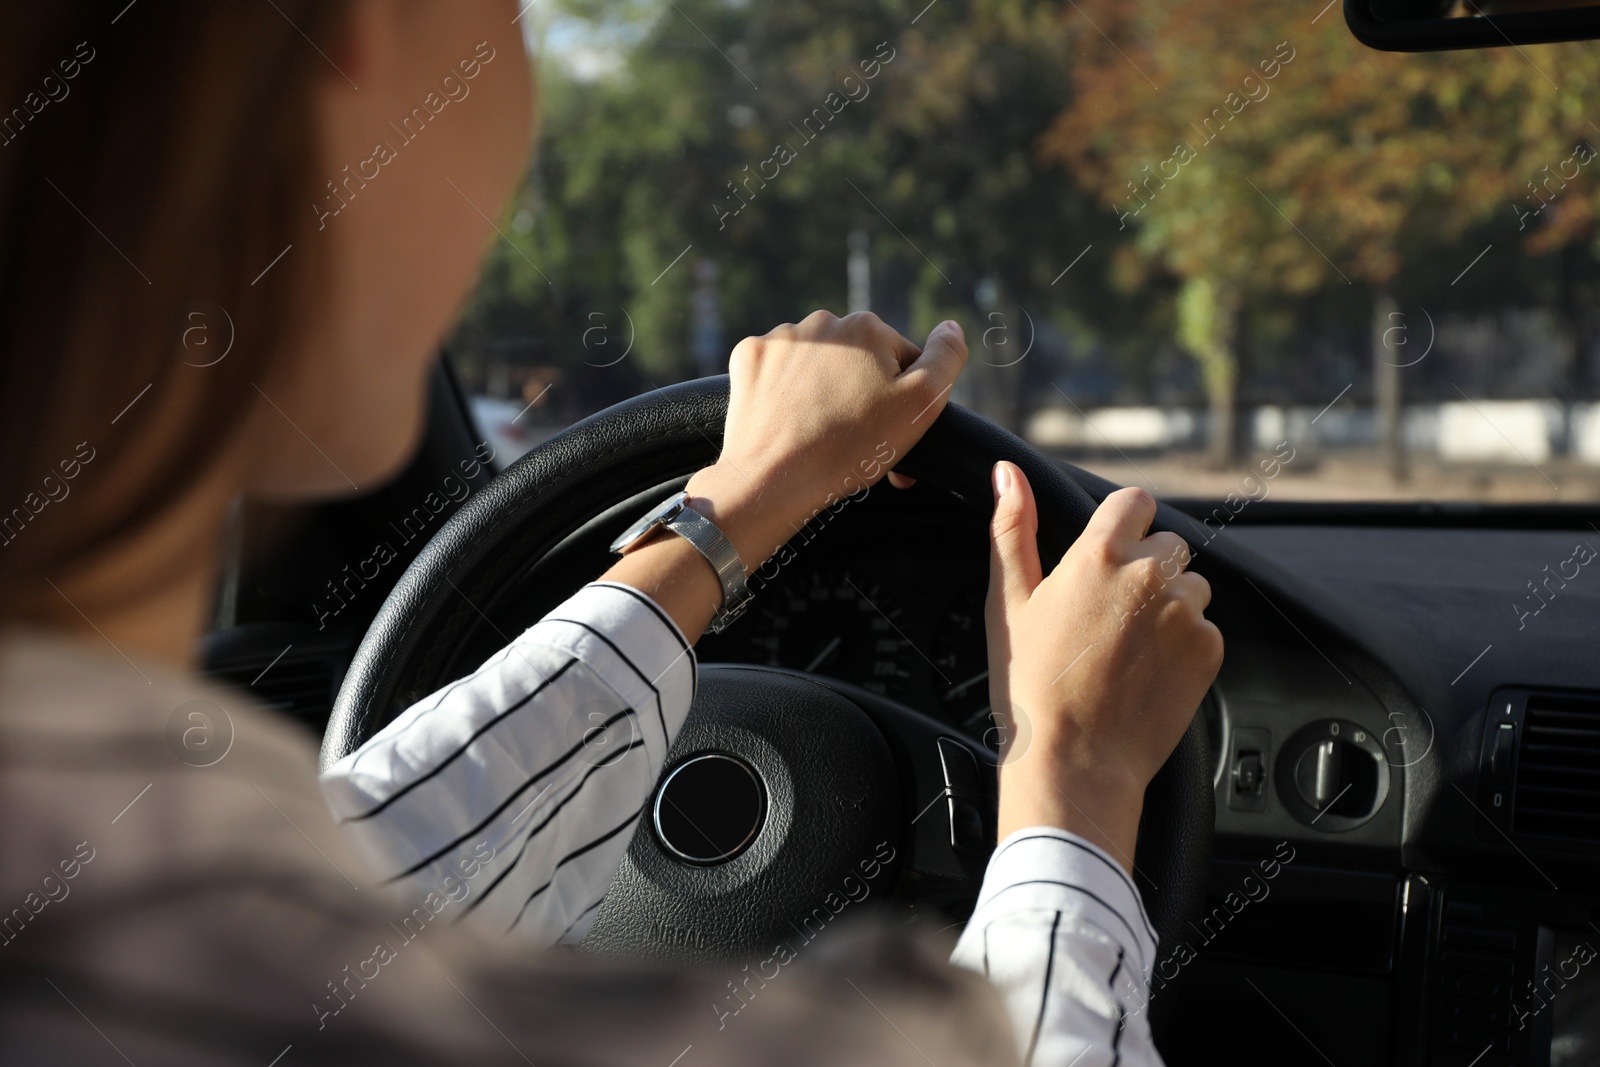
(1190,243)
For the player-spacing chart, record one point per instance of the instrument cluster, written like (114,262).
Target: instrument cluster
(905,623)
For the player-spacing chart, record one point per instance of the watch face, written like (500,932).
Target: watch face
(653,518)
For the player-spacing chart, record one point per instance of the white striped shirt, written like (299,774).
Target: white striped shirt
(547,755)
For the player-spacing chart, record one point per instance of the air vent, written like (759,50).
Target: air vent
(302,688)
(1557,787)
(284,668)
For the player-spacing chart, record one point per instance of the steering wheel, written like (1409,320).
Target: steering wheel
(786,795)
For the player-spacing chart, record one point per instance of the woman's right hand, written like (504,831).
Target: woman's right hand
(1096,669)
(816,412)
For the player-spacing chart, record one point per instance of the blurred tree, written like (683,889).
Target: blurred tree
(1232,178)
(762,136)
(1258,156)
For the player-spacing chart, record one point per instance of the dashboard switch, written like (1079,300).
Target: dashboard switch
(967,831)
(960,767)
(1332,775)
(1245,786)
(1249,775)
(1500,756)
(964,797)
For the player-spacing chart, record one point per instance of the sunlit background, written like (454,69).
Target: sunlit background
(1179,234)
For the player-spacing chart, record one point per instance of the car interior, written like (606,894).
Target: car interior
(1380,842)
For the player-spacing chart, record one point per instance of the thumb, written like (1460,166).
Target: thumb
(1014,569)
(943,355)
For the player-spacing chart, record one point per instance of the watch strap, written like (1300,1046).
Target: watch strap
(707,537)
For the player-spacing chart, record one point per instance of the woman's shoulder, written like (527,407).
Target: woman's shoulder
(67,705)
(152,769)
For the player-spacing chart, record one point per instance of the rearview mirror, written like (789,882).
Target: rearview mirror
(1434,25)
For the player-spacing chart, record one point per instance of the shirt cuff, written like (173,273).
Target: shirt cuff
(629,640)
(1046,868)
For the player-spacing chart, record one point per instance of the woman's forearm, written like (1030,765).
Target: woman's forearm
(514,791)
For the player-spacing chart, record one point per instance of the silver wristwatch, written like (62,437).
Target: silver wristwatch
(676,515)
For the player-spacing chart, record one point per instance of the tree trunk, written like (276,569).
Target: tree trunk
(1208,321)
(1574,305)
(1389,355)
(1222,443)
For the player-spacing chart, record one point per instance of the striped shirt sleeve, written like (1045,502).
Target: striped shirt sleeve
(520,785)
(1060,931)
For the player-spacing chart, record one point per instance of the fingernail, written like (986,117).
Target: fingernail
(954,327)
(1002,480)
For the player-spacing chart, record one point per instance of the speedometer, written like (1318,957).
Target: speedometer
(834,624)
(961,655)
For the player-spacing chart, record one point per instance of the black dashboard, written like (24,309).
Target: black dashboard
(1454,922)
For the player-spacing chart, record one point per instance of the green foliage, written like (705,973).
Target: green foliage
(1001,140)
(936,156)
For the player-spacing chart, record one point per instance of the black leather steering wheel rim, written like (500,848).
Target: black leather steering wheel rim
(627,449)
